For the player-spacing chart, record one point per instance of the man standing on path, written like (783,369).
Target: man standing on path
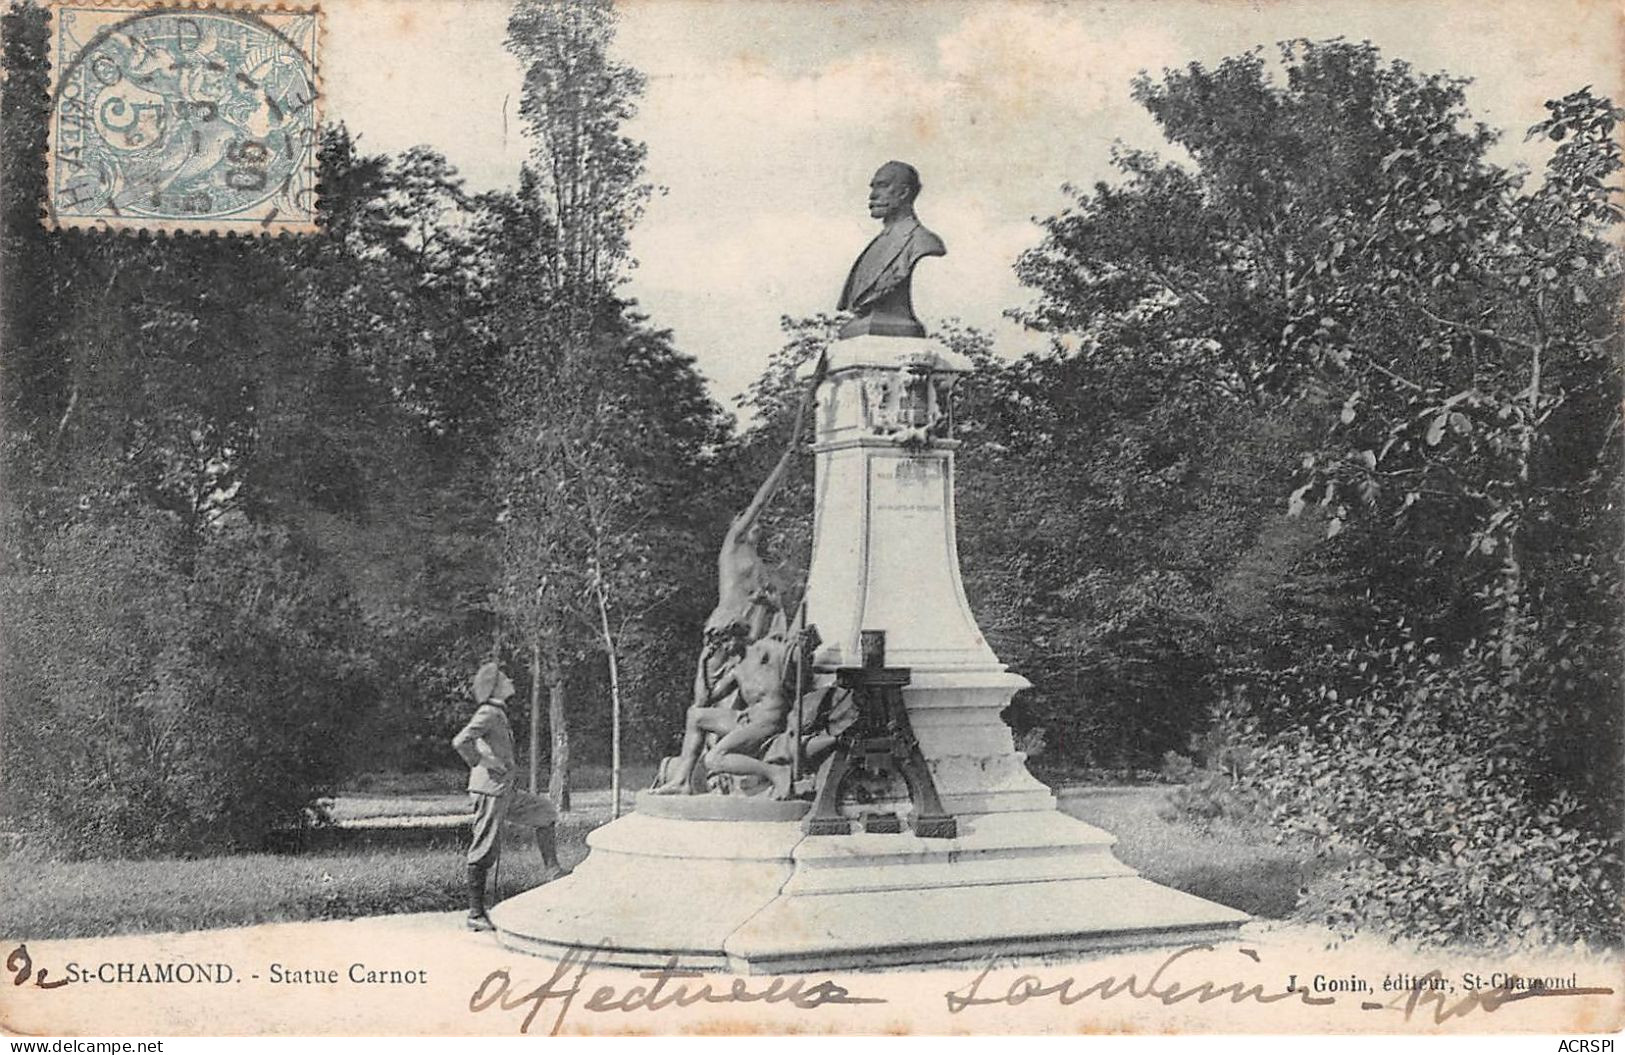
(486,744)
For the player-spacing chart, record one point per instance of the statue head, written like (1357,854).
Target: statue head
(729,640)
(892,190)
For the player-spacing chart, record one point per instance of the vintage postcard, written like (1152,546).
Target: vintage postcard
(548,518)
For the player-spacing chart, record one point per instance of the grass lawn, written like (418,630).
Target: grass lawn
(46,899)
(1259,878)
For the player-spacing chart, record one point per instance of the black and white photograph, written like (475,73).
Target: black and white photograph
(576,518)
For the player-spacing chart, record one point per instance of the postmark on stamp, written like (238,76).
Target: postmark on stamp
(171,118)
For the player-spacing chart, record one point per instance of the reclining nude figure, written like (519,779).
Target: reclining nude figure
(759,679)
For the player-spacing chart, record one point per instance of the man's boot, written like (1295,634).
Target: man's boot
(477,919)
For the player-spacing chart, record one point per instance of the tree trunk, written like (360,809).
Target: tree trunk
(558,781)
(1512,584)
(1512,604)
(614,704)
(535,715)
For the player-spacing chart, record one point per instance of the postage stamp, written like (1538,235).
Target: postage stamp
(184,118)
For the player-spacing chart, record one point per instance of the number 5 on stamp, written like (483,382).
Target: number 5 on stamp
(184,119)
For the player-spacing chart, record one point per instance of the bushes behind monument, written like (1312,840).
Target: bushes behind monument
(1427,792)
(167,694)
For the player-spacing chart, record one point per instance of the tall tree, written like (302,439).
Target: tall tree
(1423,349)
(581,457)
(1340,247)
(575,101)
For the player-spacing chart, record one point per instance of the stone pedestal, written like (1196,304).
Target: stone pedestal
(729,886)
(885,558)
(884,554)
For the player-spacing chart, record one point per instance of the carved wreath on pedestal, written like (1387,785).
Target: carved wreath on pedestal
(911,404)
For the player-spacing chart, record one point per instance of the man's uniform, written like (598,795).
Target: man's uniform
(486,744)
(490,783)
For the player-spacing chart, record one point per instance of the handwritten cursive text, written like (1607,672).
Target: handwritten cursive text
(667,989)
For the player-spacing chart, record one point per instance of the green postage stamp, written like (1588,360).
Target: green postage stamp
(184,118)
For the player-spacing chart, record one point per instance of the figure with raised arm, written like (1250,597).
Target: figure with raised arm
(748,605)
(740,705)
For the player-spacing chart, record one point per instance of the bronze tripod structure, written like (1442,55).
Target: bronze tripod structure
(880,744)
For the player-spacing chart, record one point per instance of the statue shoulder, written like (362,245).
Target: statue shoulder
(926,243)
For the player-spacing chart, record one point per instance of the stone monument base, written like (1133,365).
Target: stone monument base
(760,897)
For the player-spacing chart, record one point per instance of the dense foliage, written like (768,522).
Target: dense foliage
(254,526)
(1347,400)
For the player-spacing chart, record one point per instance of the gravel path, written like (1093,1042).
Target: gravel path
(448,809)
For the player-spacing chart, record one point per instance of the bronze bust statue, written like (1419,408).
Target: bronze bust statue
(878,290)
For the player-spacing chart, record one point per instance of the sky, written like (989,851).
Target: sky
(764,120)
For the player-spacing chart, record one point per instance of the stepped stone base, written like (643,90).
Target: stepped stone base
(762,897)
